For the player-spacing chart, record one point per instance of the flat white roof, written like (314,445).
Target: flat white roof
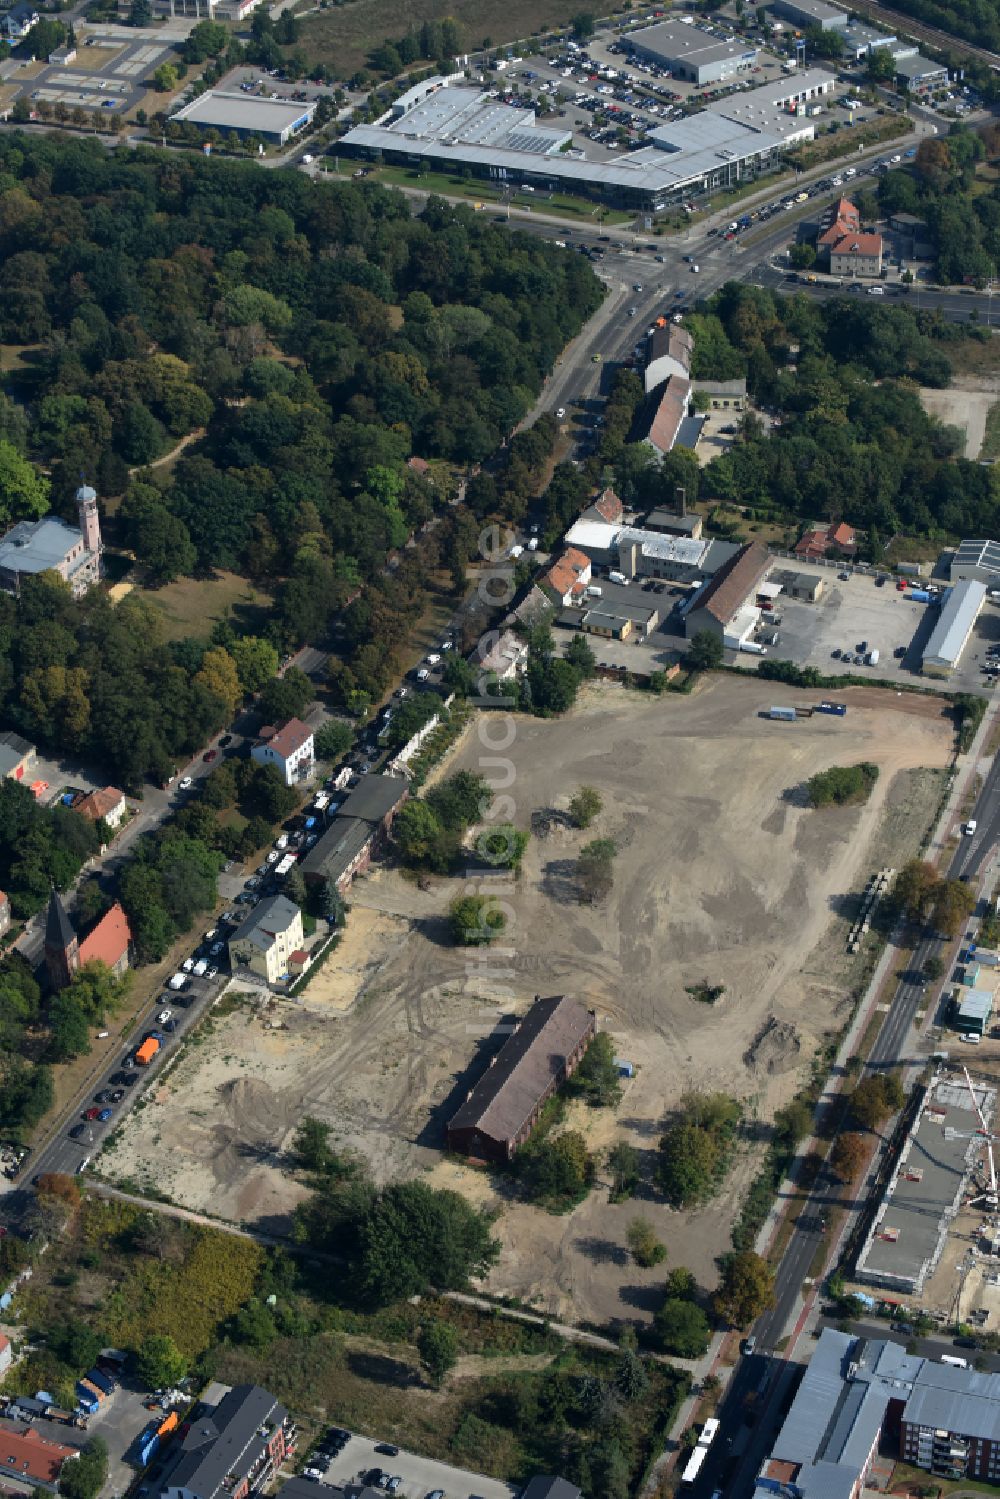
(959,613)
(227,111)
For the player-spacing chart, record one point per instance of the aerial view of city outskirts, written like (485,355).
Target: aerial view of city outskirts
(499,813)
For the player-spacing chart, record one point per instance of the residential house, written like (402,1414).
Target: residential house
(107,805)
(18,21)
(721,395)
(234,1451)
(608,506)
(32,1458)
(819,541)
(726,604)
(265,940)
(658,422)
(500,654)
(567,578)
(4,912)
(547,1486)
(546,1048)
(291,748)
(17,756)
(670,351)
(849,251)
(673,523)
(358,832)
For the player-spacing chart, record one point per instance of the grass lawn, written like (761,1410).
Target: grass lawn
(344,36)
(912,549)
(452,186)
(193,606)
(847,141)
(17,356)
(919,1478)
(970,356)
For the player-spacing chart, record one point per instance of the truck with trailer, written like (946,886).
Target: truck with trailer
(147,1051)
(873,656)
(752,648)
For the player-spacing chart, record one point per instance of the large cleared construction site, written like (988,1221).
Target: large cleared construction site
(722,874)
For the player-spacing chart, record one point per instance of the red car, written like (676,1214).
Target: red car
(91,1113)
(209,755)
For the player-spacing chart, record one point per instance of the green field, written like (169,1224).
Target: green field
(192,607)
(344,36)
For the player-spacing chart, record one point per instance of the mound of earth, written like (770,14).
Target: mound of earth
(775,1048)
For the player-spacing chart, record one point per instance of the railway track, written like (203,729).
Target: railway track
(924,33)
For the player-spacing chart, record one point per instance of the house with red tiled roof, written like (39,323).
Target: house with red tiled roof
(850,252)
(32,1458)
(567,578)
(290,748)
(820,541)
(109,942)
(107,805)
(609,507)
(662,420)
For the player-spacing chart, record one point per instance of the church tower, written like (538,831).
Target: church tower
(90,522)
(62,950)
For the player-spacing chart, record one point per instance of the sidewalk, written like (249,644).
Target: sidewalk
(965,767)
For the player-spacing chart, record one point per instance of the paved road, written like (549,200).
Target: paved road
(737,1463)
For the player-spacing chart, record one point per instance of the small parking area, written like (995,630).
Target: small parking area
(420,1475)
(108,72)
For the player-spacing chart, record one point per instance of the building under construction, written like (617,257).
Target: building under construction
(945,1165)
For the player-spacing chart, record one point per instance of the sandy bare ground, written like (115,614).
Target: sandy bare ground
(965,403)
(722,873)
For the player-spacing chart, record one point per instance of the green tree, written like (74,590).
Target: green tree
(86,1475)
(954,903)
(706,651)
(584,806)
(802,256)
(645,1248)
(165,78)
(746,1288)
(915,888)
(623,1166)
(583,25)
(502,846)
(682,1328)
(680,1284)
(256,661)
(460,800)
(73,1343)
(437,1344)
(556,1172)
(414,1237)
(287,696)
(254,1326)
(311,1145)
(933,968)
(476,920)
(69,1028)
(333,739)
(159,1362)
(876,1098)
(595,869)
(140,13)
(581,657)
(24,493)
(597,1077)
(421,836)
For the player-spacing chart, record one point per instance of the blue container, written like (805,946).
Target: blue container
(920,594)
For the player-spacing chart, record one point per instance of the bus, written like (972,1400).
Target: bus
(693,1465)
(709,1432)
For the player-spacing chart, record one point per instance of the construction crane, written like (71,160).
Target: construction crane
(982,1133)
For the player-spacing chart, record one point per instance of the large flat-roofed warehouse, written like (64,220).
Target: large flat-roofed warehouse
(274,120)
(806,13)
(691,53)
(937,1159)
(950,635)
(545,1049)
(976,562)
(455,125)
(726,604)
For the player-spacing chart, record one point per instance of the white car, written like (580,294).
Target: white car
(188,964)
(970,827)
(186,783)
(213,972)
(314,1473)
(895,160)
(560,413)
(163,1017)
(433,659)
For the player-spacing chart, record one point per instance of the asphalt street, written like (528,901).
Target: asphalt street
(753,1406)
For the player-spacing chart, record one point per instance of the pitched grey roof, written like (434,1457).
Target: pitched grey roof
(275,914)
(506,1095)
(374,798)
(33,546)
(545,1486)
(227,1443)
(959,612)
(339,846)
(956,1400)
(59,931)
